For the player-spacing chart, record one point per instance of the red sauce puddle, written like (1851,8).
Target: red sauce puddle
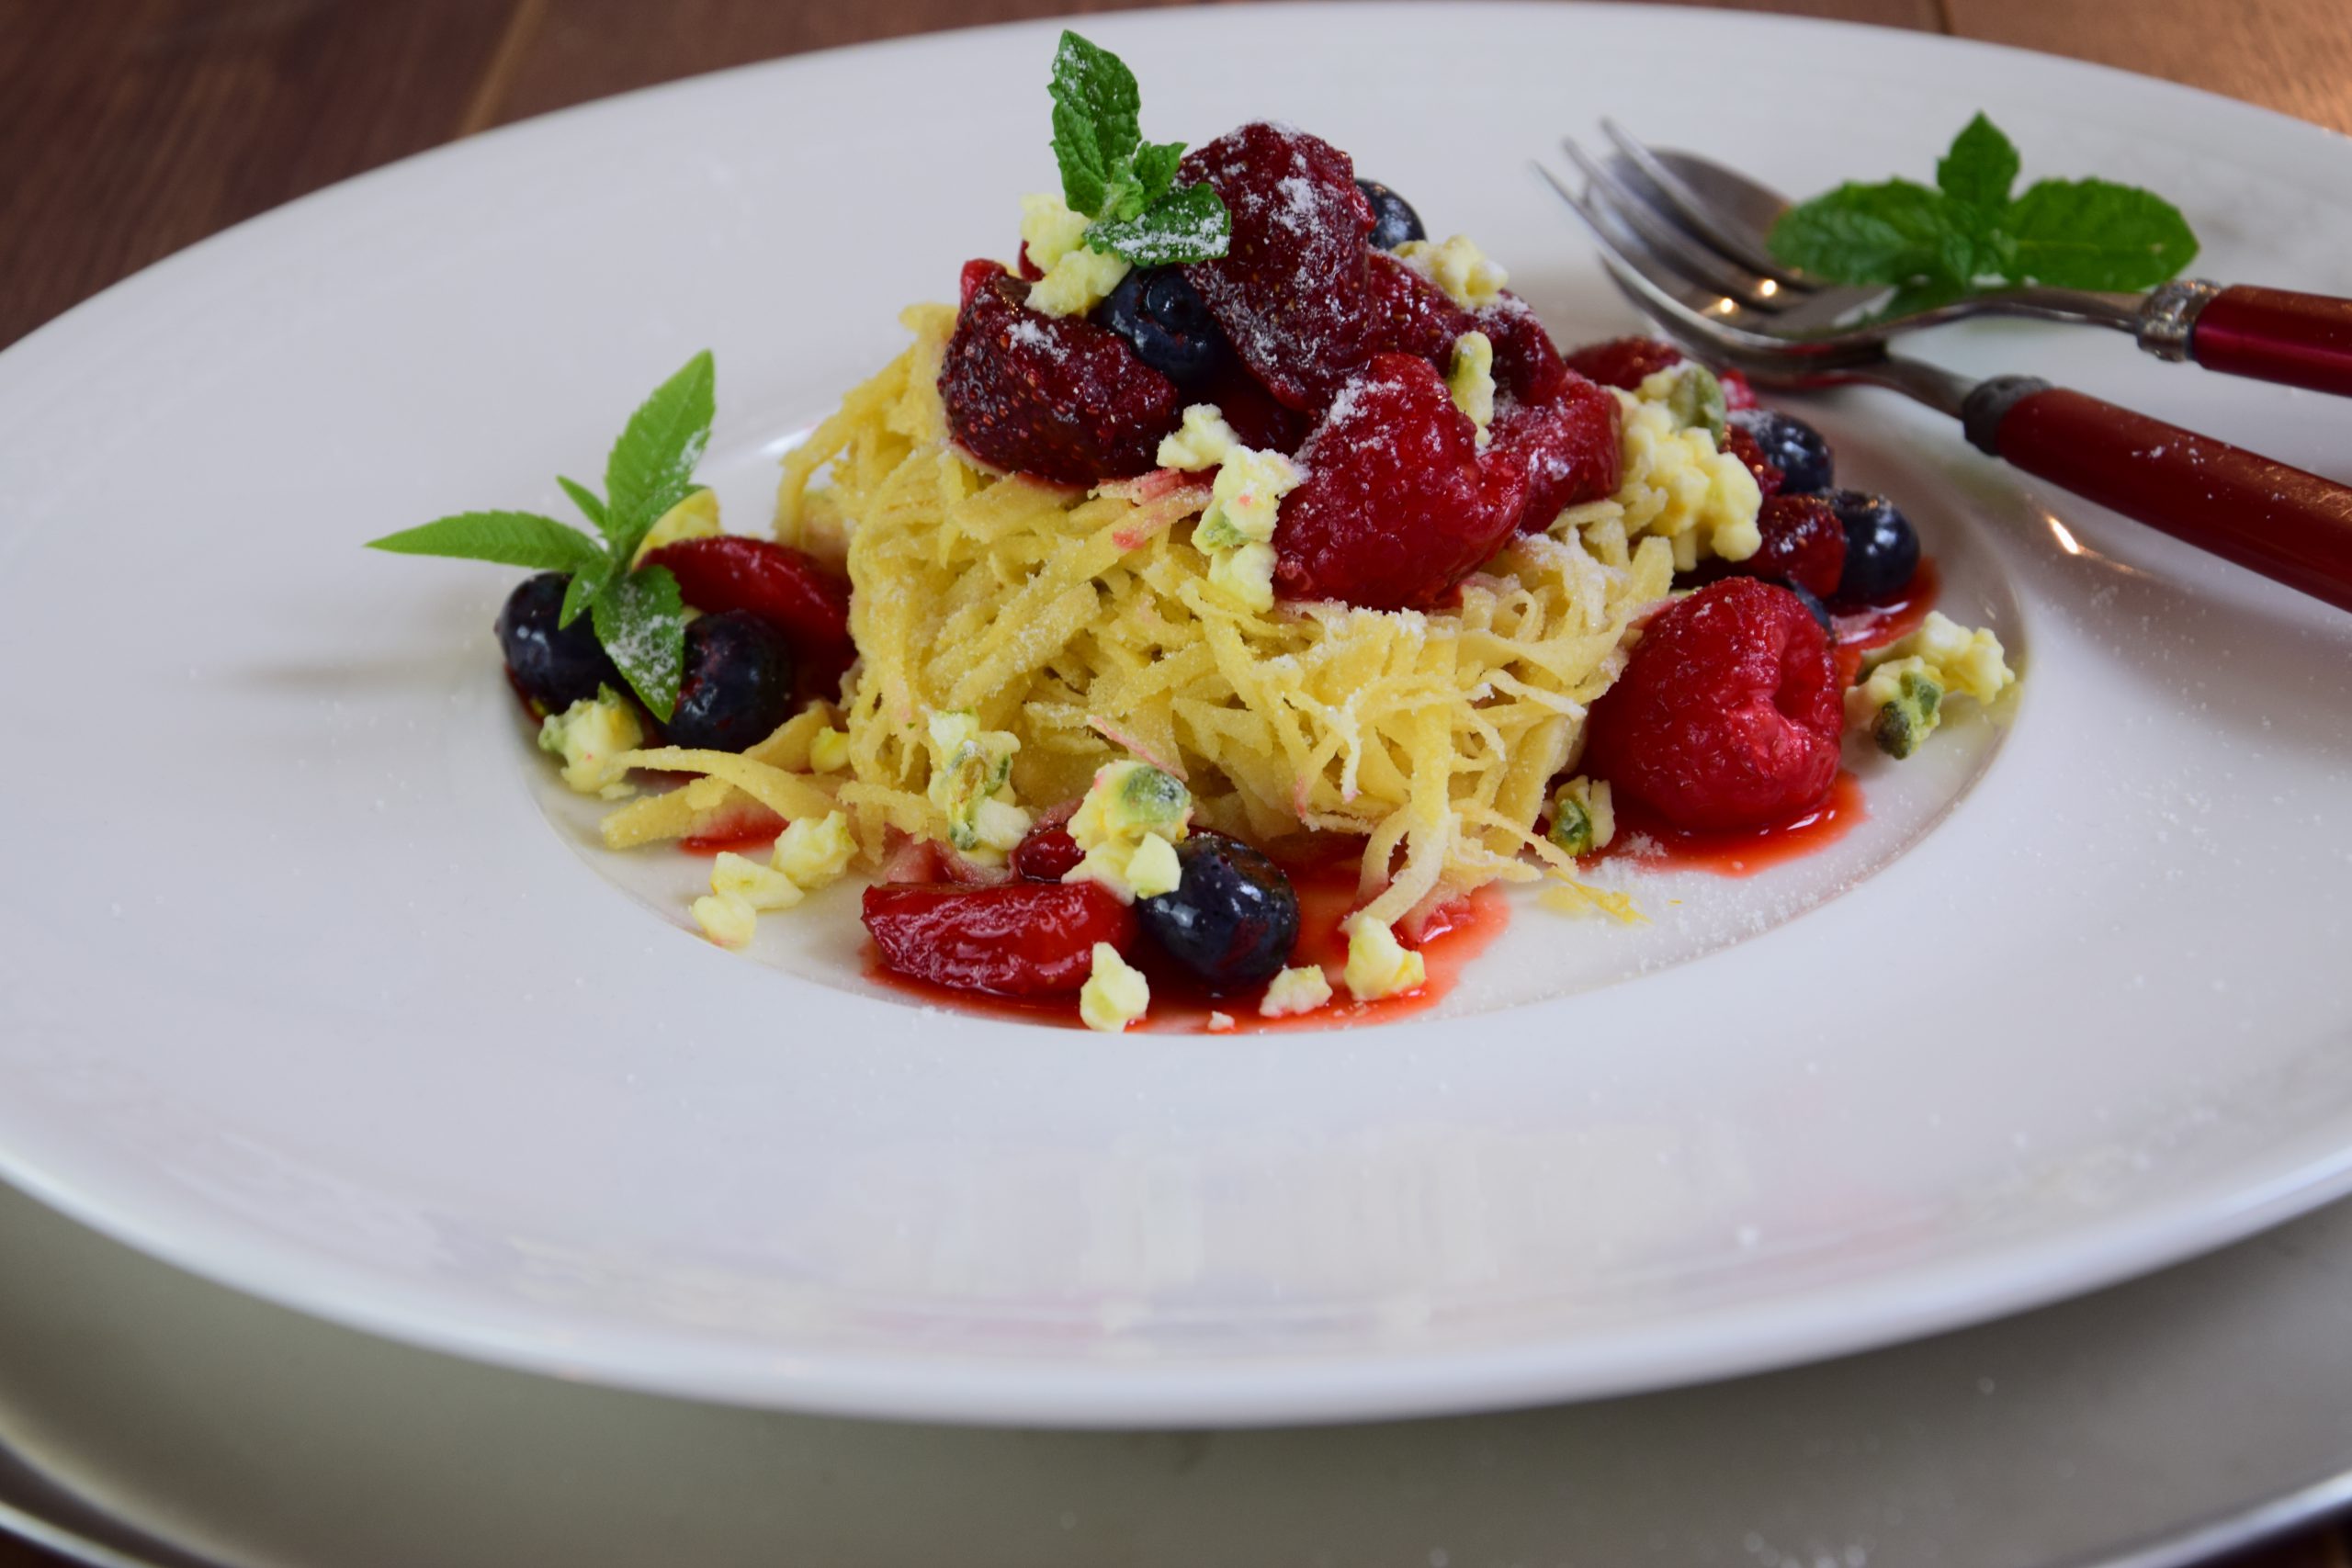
(1645,842)
(1454,934)
(1855,632)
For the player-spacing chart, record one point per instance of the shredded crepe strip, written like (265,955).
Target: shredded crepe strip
(1086,625)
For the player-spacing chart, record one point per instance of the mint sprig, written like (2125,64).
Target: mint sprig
(1110,175)
(638,612)
(1938,243)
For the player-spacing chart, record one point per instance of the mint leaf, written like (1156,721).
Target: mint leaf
(1154,165)
(509,538)
(583,590)
(591,505)
(1979,170)
(653,465)
(1187,225)
(1891,232)
(641,621)
(1095,130)
(2097,234)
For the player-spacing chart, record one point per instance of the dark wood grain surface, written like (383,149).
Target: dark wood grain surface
(129,129)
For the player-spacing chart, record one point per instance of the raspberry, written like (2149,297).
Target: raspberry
(1047,853)
(1398,506)
(1803,543)
(780,585)
(1293,293)
(1019,939)
(1411,315)
(1624,362)
(1742,444)
(1054,396)
(1527,364)
(1728,713)
(1568,448)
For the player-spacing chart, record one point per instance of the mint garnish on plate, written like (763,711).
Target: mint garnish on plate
(638,612)
(1113,176)
(1938,243)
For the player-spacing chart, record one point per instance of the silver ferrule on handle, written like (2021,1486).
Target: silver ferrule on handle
(2169,314)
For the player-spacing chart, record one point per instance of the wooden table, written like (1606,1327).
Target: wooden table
(129,129)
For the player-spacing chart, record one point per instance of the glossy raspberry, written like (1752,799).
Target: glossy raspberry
(1805,543)
(1411,315)
(782,586)
(1022,938)
(1727,715)
(1054,396)
(1568,448)
(1742,444)
(1398,506)
(1624,362)
(1527,363)
(1292,292)
(1047,854)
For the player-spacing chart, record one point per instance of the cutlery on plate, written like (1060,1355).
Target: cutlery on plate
(2288,524)
(1710,220)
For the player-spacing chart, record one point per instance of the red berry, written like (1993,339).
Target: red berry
(1022,938)
(1803,543)
(1624,362)
(1256,418)
(1054,396)
(1398,506)
(1737,392)
(1527,363)
(1411,315)
(782,586)
(1293,293)
(1566,446)
(1742,445)
(1047,854)
(1728,713)
(1029,270)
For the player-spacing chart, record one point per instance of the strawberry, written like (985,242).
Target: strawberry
(1742,444)
(1397,505)
(782,586)
(1411,315)
(1054,396)
(1568,448)
(1728,714)
(1256,418)
(1527,363)
(1739,391)
(1019,938)
(1292,292)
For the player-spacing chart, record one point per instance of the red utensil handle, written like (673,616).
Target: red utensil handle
(2289,525)
(2303,340)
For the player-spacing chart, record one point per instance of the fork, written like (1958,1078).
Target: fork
(1712,220)
(2287,523)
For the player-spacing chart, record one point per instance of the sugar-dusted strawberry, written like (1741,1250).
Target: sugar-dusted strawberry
(1409,314)
(1019,939)
(1739,391)
(1293,291)
(782,586)
(1728,714)
(1623,362)
(1566,447)
(1256,418)
(1741,443)
(1397,505)
(1054,396)
(1805,543)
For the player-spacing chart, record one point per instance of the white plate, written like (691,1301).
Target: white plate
(299,987)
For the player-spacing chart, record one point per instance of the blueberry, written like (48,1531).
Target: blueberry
(554,668)
(738,684)
(1812,602)
(1394,222)
(1234,918)
(1168,324)
(1882,550)
(1793,446)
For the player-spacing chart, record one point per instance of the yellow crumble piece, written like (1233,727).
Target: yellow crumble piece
(728,920)
(1378,964)
(1458,266)
(1076,284)
(1115,995)
(1470,379)
(1294,991)
(590,736)
(815,853)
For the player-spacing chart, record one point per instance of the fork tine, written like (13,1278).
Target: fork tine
(1666,296)
(1604,186)
(1734,239)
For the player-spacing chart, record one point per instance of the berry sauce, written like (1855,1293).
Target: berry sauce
(1856,632)
(1651,844)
